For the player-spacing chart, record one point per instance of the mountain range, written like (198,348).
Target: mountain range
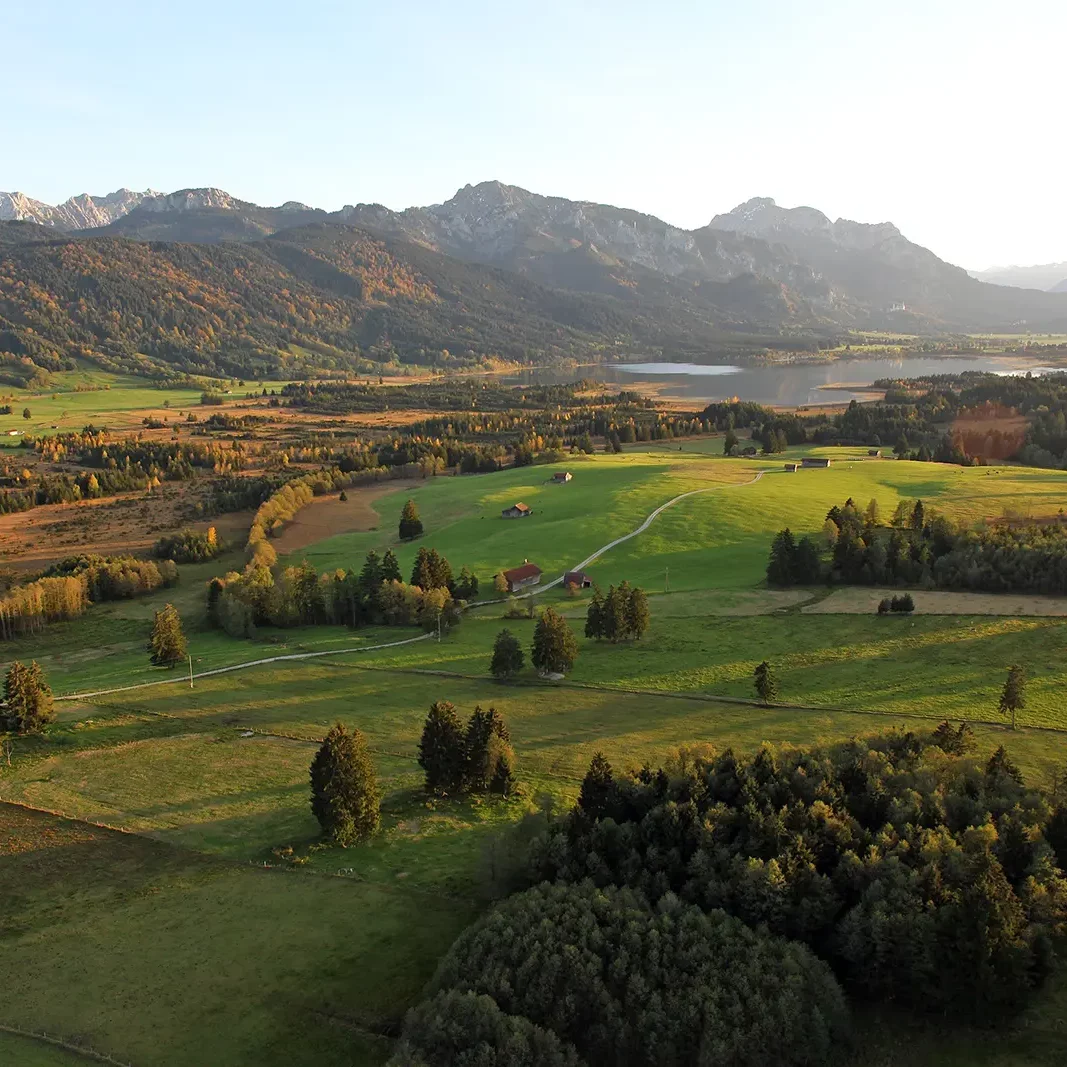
(494,271)
(1052,277)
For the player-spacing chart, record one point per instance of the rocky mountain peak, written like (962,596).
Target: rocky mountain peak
(194,200)
(78,213)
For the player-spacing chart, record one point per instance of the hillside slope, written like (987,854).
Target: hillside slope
(323,296)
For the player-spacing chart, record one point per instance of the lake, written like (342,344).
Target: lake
(784,384)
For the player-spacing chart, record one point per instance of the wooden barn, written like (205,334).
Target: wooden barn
(562,477)
(816,461)
(792,467)
(516,511)
(579,579)
(522,577)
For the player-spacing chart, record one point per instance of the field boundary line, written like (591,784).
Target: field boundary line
(243,666)
(69,818)
(59,1042)
(707,698)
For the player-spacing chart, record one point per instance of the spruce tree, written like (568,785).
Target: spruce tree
(554,646)
(502,760)
(508,658)
(598,795)
(781,567)
(613,614)
(345,797)
(766,683)
(442,750)
(167,643)
(390,567)
(918,515)
(594,615)
(27,699)
(483,728)
(637,613)
(370,576)
(410,523)
(1013,695)
(422,570)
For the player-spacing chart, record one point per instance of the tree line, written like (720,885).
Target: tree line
(68,588)
(377,594)
(922,547)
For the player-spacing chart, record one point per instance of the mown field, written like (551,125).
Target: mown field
(147,944)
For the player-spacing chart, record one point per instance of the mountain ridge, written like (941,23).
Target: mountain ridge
(757,267)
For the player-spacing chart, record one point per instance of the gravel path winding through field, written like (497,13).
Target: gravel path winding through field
(177,678)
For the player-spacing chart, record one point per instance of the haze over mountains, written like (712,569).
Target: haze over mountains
(495,270)
(1051,277)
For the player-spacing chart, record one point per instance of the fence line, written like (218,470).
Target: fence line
(63,1043)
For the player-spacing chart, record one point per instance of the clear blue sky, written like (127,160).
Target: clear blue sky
(946,117)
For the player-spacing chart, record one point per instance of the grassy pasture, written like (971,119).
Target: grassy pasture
(151,943)
(716,540)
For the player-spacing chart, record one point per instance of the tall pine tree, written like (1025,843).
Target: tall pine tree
(443,750)
(27,699)
(410,523)
(554,646)
(167,643)
(345,797)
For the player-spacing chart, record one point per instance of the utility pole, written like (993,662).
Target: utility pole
(666,579)
(438,627)
(190,670)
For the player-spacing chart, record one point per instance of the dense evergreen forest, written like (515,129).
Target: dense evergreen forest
(730,908)
(922,547)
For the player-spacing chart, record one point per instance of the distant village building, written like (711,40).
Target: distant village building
(521,577)
(876,452)
(898,306)
(516,511)
(792,467)
(577,578)
(748,450)
(815,461)
(561,477)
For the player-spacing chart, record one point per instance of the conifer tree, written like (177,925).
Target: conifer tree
(345,797)
(1013,695)
(594,616)
(599,792)
(613,614)
(410,523)
(390,567)
(782,565)
(27,699)
(554,646)
(637,613)
(508,658)
(442,750)
(484,729)
(918,515)
(766,683)
(167,643)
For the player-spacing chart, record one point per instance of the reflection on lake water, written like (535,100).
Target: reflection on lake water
(787,385)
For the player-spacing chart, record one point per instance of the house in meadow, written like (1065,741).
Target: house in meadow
(522,577)
(516,511)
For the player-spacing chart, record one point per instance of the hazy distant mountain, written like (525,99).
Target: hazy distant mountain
(77,213)
(1059,287)
(1046,276)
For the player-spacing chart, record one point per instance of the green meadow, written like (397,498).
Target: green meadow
(150,943)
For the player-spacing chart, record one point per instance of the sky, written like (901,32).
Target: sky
(941,116)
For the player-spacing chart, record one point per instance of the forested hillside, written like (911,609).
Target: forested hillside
(324,296)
